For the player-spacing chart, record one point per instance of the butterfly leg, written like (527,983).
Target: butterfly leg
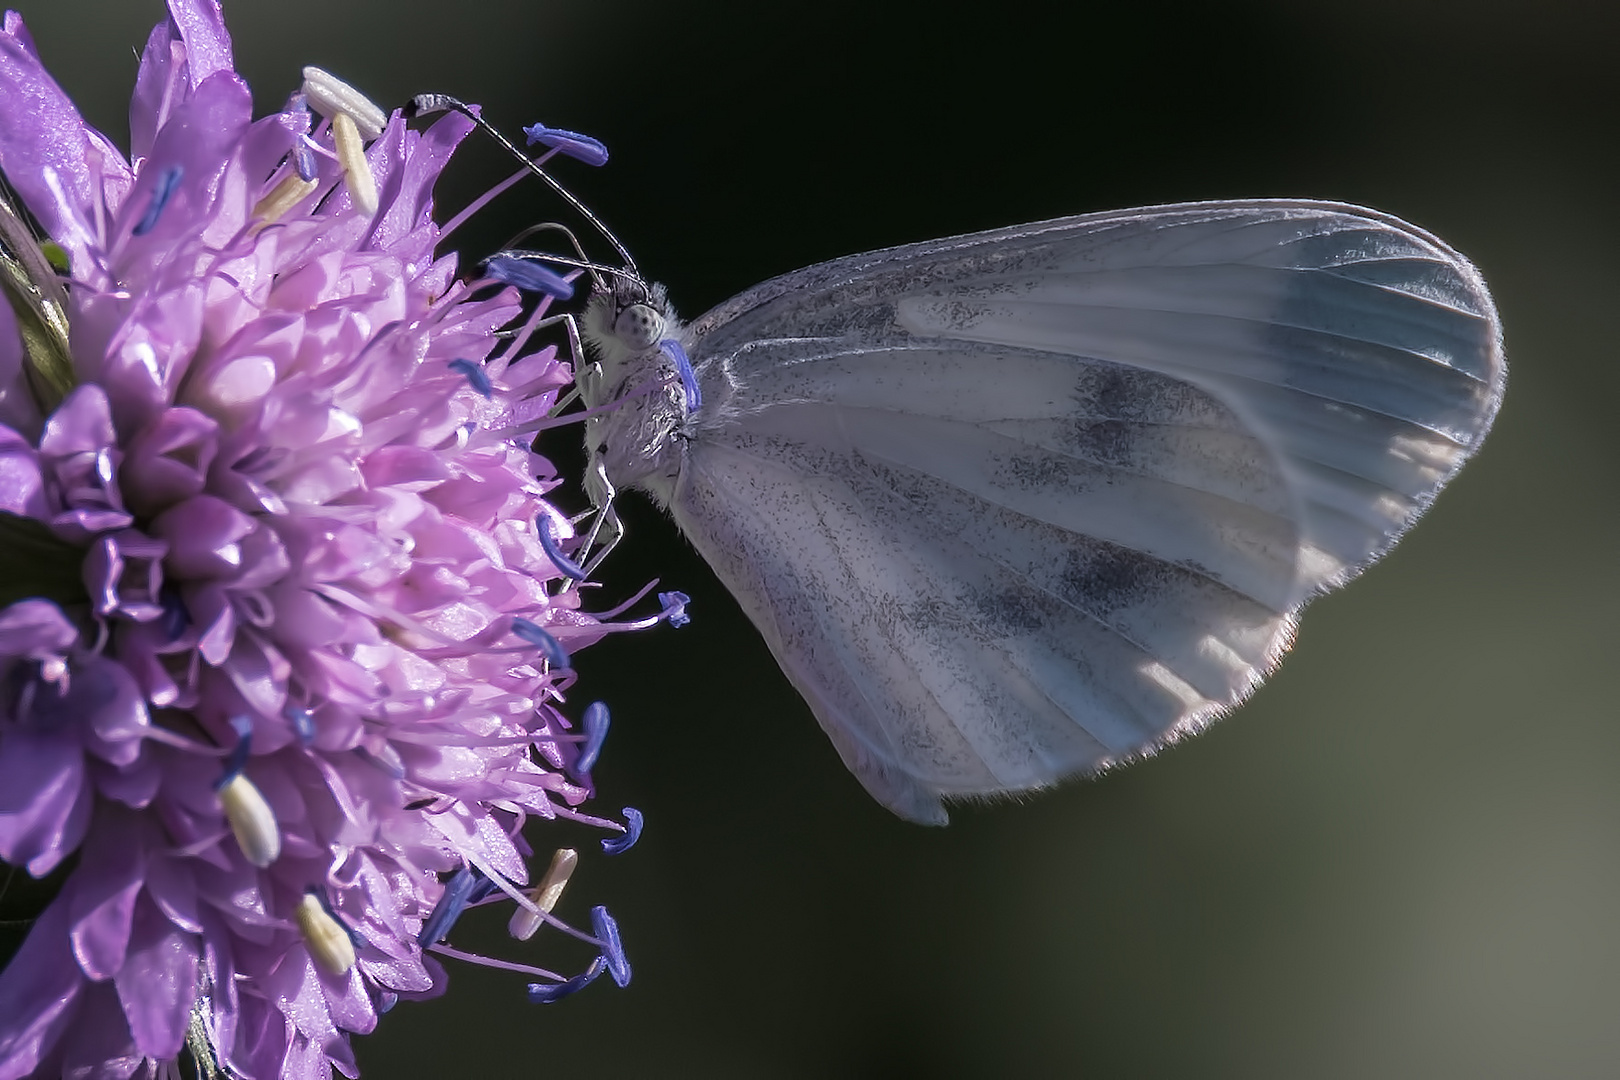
(606,527)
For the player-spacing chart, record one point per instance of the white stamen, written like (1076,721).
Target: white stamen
(329,943)
(292,190)
(251,820)
(351,154)
(329,95)
(545,895)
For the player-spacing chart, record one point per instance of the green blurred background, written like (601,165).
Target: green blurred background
(1401,859)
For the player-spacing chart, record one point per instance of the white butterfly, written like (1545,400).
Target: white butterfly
(1025,504)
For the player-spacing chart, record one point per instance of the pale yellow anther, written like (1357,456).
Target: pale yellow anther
(251,819)
(351,154)
(292,190)
(545,894)
(329,943)
(329,95)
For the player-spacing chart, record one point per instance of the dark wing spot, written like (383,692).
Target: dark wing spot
(1103,578)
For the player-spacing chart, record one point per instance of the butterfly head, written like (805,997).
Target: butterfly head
(625,321)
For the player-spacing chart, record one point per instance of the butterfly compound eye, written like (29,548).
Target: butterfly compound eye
(638,326)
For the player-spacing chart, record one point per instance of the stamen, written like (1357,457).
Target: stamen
(175,617)
(612,948)
(423,104)
(329,943)
(545,895)
(543,994)
(567,566)
(329,96)
(596,724)
(303,152)
(357,175)
(675,607)
(251,819)
(476,376)
(162,191)
(689,383)
(530,276)
(283,197)
(556,655)
(304,159)
(458,892)
(579,147)
(618,845)
(303,722)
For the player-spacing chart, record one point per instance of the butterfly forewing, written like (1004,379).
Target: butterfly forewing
(1015,506)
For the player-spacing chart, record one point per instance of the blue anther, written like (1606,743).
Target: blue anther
(546,993)
(675,607)
(569,567)
(304,159)
(303,722)
(237,760)
(175,617)
(577,146)
(556,655)
(483,890)
(618,845)
(168,180)
(595,723)
(607,932)
(683,366)
(529,276)
(457,893)
(477,377)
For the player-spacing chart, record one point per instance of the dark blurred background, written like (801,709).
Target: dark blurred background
(1402,859)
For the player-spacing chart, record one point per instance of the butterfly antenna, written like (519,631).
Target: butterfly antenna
(424,104)
(545,226)
(582,262)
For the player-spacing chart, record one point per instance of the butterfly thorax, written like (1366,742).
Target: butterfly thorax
(638,438)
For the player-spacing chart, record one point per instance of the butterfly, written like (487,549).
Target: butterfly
(1030,503)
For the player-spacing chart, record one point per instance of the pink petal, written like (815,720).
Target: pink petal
(158,88)
(40,130)
(101,1047)
(35,628)
(203,535)
(107,881)
(168,460)
(202,28)
(38,991)
(20,480)
(158,982)
(44,801)
(81,424)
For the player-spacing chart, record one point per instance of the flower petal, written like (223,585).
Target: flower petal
(43,136)
(158,982)
(109,878)
(202,28)
(38,991)
(44,801)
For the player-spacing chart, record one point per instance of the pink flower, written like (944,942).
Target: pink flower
(284,646)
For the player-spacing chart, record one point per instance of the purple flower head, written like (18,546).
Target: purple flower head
(281,649)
